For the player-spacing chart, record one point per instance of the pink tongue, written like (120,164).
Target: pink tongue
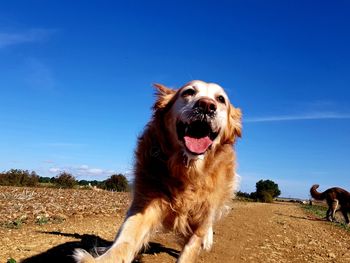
(196,145)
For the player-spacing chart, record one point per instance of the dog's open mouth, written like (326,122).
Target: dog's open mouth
(197,136)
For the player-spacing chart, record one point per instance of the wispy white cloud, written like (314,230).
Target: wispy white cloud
(83,171)
(29,36)
(55,170)
(86,170)
(35,73)
(299,117)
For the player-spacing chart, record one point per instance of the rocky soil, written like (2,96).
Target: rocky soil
(45,225)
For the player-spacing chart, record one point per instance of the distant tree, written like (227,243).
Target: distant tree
(96,183)
(242,194)
(65,180)
(4,178)
(17,177)
(53,180)
(83,182)
(253,195)
(266,191)
(32,179)
(44,180)
(117,182)
(265,197)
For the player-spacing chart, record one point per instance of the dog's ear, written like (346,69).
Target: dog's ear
(234,125)
(164,96)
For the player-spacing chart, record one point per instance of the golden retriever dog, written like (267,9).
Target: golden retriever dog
(336,197)
(184,172)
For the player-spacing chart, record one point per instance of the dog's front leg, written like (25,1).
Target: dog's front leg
(132,235)
(201,238)
(191,250)
(207,241)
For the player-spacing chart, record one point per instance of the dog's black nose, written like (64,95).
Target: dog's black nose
(206,105)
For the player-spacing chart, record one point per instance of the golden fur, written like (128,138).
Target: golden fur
(175,188)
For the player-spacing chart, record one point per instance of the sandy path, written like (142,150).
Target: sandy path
(251,232)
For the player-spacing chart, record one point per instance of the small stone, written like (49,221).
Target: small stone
(331,255)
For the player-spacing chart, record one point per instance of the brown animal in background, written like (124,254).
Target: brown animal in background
(336,198)
(184,172)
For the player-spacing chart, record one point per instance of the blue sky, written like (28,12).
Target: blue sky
(76,77)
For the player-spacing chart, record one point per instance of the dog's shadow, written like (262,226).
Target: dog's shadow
(93,244)
(306,217)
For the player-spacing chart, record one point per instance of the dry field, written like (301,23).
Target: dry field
(45,225)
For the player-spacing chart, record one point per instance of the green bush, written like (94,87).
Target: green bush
(17,177)
(266,191)
(44,180)
(117,182)
(65,180)
(83,182)
(242,194)
(267,186)
(265,197)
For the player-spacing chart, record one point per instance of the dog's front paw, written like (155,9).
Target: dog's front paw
(207,242)
(82,256)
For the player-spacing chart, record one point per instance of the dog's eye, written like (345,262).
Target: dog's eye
(221,99)
(188,93)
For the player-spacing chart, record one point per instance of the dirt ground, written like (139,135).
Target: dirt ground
(251,232)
